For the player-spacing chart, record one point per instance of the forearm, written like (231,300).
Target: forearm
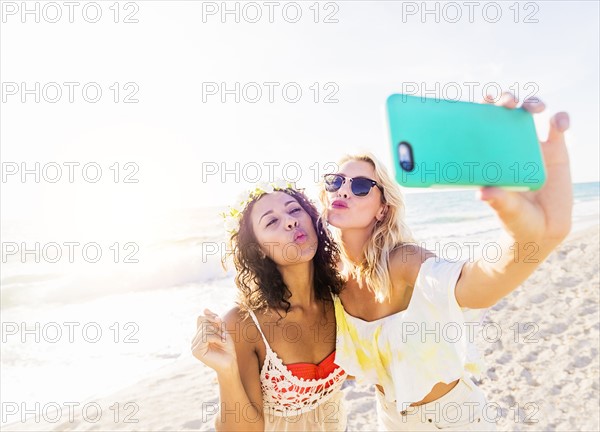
(497,277)
(236,411)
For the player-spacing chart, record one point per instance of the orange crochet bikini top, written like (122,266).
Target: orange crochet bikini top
(314,371)
(299,387)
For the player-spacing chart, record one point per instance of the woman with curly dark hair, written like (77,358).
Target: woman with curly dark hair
(274,353)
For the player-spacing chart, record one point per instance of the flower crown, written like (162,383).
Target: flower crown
(233,215)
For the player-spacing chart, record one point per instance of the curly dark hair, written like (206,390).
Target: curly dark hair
(258,279)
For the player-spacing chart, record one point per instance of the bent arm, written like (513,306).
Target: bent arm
(237,412)
(534,222)
(241,406)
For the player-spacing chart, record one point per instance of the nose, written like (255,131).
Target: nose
(344,191)
(291,222)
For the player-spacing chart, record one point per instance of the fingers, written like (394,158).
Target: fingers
(210,338)
(500,200)
(210,313)
(507,100)
(534,105)
(559,123)
(208,343)
(509,206)
(208,325)
(203,339)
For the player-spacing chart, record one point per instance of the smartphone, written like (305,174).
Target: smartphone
(442,143)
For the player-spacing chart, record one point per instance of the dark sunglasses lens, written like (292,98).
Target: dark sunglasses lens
(333,183)
(361,186)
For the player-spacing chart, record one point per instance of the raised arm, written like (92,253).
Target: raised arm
(221,345)
(534,223)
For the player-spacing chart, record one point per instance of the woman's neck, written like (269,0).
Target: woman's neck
(353,243)
(299,279)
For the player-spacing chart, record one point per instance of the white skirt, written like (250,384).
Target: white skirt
(328,416)
(464,408)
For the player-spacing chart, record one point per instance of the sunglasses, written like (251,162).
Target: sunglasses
(360,186)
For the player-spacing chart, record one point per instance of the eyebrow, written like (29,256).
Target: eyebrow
(271,211)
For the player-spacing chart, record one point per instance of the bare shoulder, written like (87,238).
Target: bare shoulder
(238,322)
(405,263)
(233,316)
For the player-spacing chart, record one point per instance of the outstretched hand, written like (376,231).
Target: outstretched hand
(543,215)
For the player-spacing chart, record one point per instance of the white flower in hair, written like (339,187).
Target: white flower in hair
(234,214)
(240,202)
(282,184)
(265,187)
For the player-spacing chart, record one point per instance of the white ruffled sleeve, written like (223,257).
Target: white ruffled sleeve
(442,276)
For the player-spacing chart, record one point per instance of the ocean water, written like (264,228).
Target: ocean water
(76,331)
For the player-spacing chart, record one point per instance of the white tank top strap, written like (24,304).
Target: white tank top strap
(259,329)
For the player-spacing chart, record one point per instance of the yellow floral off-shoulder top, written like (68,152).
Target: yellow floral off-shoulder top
(407,353)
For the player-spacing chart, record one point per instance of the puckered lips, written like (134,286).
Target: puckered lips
(300,236)
(339,204)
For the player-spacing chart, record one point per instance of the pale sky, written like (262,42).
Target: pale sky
(168,55)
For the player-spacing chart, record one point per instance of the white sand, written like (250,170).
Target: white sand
(556,370)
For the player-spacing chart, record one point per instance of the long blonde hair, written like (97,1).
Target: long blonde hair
(389,233)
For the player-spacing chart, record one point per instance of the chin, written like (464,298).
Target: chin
(339,222)
(334,219)
(307,256)
(346,224)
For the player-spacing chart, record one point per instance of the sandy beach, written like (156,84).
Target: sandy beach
(543,372)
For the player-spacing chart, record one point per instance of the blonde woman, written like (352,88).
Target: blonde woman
(397,294)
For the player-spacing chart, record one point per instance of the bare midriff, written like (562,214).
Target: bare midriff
(439,390)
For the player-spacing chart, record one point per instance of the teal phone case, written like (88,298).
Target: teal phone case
(463,144)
